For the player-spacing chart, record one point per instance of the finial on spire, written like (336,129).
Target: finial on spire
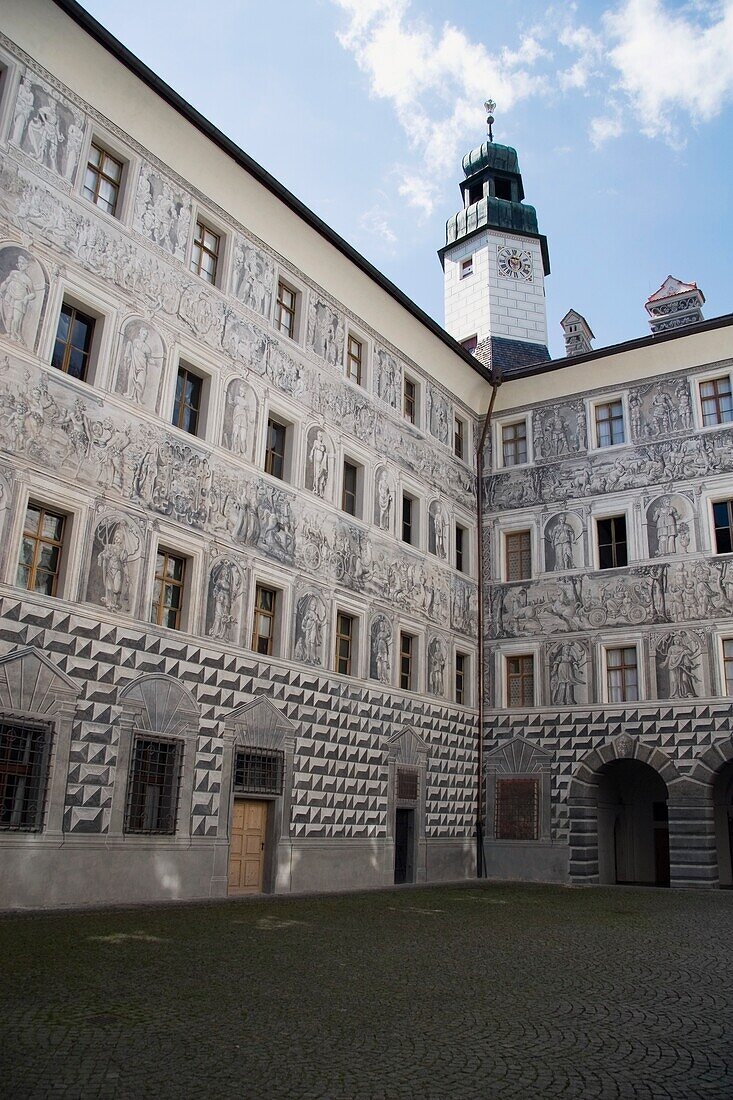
(490,106)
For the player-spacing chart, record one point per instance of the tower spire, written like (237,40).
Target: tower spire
(490,106)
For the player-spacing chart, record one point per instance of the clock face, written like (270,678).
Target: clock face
(515,263)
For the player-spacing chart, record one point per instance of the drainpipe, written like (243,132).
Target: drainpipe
(480,859)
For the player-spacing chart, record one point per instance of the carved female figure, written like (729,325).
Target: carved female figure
(679,660)
(382,659)
(319,458)
(240,421)
(667,521)
(224,591)
(385,498)
(565,675)
(137,359)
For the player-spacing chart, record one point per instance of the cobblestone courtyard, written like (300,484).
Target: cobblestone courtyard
(476,991)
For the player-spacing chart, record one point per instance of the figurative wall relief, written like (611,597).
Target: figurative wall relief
(387,377)
(48,129)
(240,419)
(559,430)
(310,628)
(116,553)
(660,408)
(384,500)
(568,674)
(284,372)
(23,288)
(670,526)
(254,277)
(325,332)
(436,666)
(319,472)
(463,606)
(438,530)
(223,606)
(564,542)
(678,665)
(246,344)
(162,212)
(140,367)
(380,650)
(438,414)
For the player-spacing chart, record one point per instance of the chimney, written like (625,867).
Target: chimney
(577,334)
(674,305)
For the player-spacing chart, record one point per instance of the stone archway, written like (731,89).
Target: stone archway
(617,804)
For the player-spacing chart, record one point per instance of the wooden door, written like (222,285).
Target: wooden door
(247,847)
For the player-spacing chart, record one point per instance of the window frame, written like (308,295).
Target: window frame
(403,634)
(463,263)
(462,548)
(362,380)
(191,370)
(108,142)
(39,777)
(622,644)
(61,544)
(408,494)
(697,382)
(98,171)
(182,586)
(179,747)
(510,422)
(195,267)
(513,534)
(411,399)
(287,282)
(466,657)
(460,430)
(352,638)
(606,517)
(274,617)
(469,340)
(358,466)
(520,654)
(606,401)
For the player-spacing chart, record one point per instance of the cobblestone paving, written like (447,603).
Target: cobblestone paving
(476,991)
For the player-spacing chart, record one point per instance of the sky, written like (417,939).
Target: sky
(621,113)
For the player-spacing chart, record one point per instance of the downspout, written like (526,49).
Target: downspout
(480,859)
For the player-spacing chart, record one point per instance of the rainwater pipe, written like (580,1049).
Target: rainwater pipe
(480,857)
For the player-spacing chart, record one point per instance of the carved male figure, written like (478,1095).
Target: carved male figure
(240,421)
(137,359)
(223,594)
(562,539)
(113,559)
(381,652)
(667,522)
(16,294)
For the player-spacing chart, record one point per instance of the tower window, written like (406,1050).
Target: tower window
(467,267)
(475,193)
(503,189)
(470,344)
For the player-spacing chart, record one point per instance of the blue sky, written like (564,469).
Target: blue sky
(621,113)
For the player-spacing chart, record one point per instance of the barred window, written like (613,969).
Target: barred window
(516,815)
(518,553)
(407,784)
(259,771)
(24,753)
(155,773)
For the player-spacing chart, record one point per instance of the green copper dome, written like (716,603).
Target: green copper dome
(496,213)
(501,158)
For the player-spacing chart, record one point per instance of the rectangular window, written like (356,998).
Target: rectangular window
(349,497)
(285,310)
(470,344)
(354,359)
(518,553)
(407,784)
(516,814)
(728,665)
(344,643)
(24,751)
(409,400)
(459,438)
(520,681)
(152,801)
(461,548)
(187,402)
(263,627)
(103,179)
(622,675)
(514,443)
(408,519)
(461,669)
(716,401)
(169,587)
(73,345)
(205,252)
(275,448)
(407,653)
(39,563)
(467,267)
(259,771)
(612,545)
(723,519)
(609,423)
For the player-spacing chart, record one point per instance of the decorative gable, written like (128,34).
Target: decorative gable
(518,757)
(31,683)
(162,703)
(260,724)
(407,747)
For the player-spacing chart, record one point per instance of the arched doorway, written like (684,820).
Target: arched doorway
(633,829)
(723,799)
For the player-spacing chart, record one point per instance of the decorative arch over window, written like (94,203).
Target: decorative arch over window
(518,791)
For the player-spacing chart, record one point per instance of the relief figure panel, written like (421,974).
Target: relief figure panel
(381,636)
(564,542)
(224,600)
(678,665)
(117,548)
(254,277)
(670,526)
(319,463)
(23,290)
(239,430)
(310,628)
(568,666)
(47,128)
(140,363)
(326,332)
(162,212)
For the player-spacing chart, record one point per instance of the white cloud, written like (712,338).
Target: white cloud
(603,128)
(375,223)
(589,47)
(436,81)
(670,62)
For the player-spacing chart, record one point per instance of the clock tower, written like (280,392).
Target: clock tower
(494,262)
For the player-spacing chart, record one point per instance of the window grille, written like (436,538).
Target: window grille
(259,771)
(24,753)
(516,814)
(407,784)
(155,774)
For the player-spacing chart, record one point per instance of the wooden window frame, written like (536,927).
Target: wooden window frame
(727,648)
(344,660)
(461,675)
(520,553)
(408,524)
(522,676)
(407,661)
(723,532)
(75,314)
(511,445)
(355,361)
(721,415)
(461,561)
(160,607)
(285,310)
(350,496)
(182,406)
(266,614)
(623,668)
(410,399)
(101,176)
(459,438)
(609,415)
(614,542)
(200,250)
(40,541)
(273,457)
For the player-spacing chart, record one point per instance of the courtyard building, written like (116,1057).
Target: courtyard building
(266,623)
